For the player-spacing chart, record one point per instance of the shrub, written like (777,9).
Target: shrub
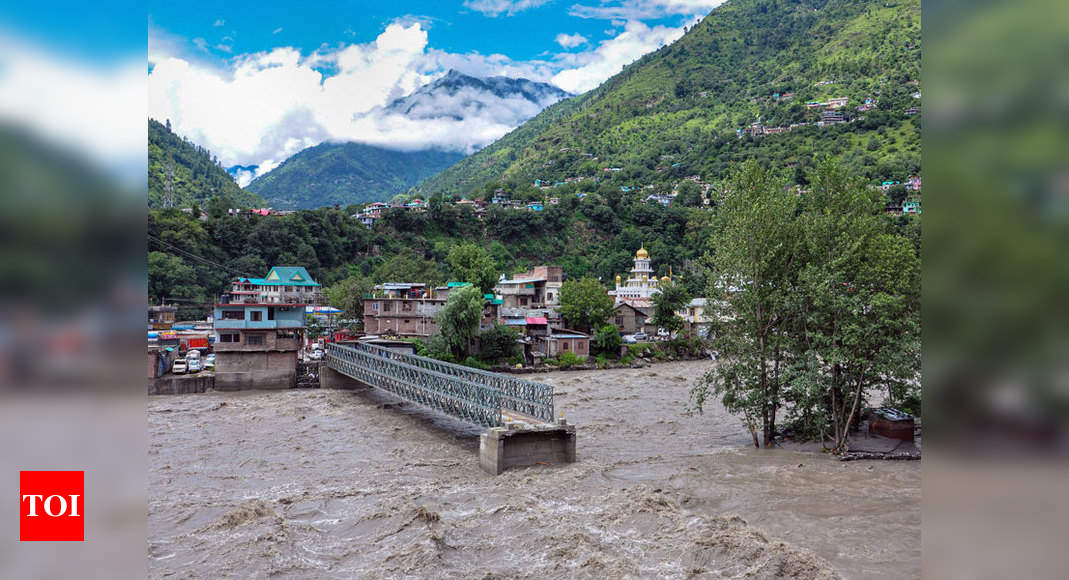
(475,363)
(607,340)
(568,360)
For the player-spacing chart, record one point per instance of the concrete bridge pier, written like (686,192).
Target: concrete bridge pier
(332,379)
(525,444)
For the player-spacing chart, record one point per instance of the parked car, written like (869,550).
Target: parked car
(209,363)
(641,336)
(629,339)
(179,367)
(317,354)
(193,365)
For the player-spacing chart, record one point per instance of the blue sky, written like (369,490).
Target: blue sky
(523,30)
(258,82)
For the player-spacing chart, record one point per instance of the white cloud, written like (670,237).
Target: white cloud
(588,70)
(495,8)
(219,22)
(264,107)
(261,108)
(570,40)
(643,9)
(277,30)
(89,108)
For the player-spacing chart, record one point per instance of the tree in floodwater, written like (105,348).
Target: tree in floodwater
(858,305)
(458,322)
(752,276)
(820,304)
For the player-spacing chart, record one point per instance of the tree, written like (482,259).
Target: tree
(672,298)
(607,340)
(584,303)
(859,289)
(470,263)
(458,322)
(751,274)
(498,343)
(689,194)
(348,295)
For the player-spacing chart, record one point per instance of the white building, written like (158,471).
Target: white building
(642,284)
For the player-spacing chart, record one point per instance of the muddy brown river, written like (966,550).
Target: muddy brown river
(316,483)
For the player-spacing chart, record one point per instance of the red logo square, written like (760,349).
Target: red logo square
(52,506)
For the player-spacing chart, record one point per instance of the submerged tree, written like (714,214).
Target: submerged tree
(751,278)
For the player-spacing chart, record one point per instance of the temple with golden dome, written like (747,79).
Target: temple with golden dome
(641,284)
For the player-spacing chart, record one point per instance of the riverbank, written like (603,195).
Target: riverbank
(322,482)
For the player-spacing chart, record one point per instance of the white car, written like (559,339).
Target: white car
(317,354)
(193,365)
(640,336)
(179,367)
(629,339)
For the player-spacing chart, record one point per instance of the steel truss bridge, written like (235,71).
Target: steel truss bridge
(470,395)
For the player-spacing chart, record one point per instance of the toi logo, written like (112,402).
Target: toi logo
(51,506)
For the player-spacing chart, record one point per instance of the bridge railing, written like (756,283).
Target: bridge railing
(466,400)
(528,398)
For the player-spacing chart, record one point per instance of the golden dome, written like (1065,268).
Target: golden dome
(642,253)
(618,279)
(665,279)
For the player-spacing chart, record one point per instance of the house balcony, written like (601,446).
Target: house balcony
(237,324)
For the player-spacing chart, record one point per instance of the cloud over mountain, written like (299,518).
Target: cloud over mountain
(261,108)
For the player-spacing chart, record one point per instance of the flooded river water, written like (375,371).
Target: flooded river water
(351,484)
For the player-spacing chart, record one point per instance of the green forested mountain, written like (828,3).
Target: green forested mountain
(191,172)
(345,173)
(675,112)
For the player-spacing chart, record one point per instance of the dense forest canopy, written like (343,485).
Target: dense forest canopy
(182,173)
(676,111)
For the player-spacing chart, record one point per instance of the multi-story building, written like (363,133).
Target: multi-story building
(537,288)
(410,309)
(259,327)
(282,285)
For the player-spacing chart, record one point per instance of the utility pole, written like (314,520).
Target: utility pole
(168,187)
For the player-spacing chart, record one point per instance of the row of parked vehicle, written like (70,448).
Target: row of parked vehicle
(192,363)
(641,336)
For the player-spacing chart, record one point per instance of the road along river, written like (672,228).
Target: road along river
(356,484)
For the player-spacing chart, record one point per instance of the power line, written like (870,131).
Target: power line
(196,257)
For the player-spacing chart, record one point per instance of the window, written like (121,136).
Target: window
(254,339)
(564,345)
(228,338)
(386,306)
(233,315)
(549,296)
(619,321)
(270,313)
(256,315)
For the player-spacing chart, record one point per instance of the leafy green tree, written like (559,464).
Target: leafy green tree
(585,303)
(607,340)
(498,343)
(672,298)
(859,290)
(752,272)
(458,321)
(348,295)
(470,263)
(689,194)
